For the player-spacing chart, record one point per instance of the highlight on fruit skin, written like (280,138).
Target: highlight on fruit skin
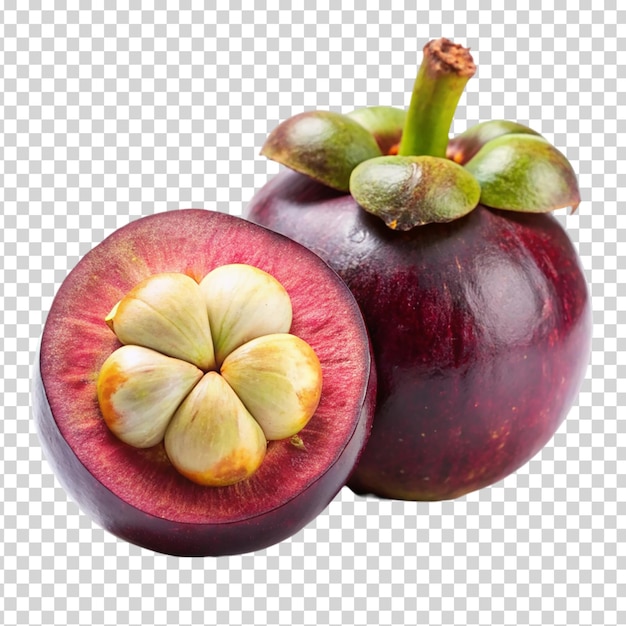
(210,369)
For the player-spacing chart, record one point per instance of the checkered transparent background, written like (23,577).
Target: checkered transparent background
(112,110)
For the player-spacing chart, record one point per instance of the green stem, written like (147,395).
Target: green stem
(445,70)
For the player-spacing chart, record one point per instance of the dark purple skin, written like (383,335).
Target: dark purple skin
(137,494)
(481,331)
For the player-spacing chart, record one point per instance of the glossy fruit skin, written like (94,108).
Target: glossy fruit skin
(481,331)
(168,513)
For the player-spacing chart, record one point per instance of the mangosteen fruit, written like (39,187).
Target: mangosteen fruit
(472,292)
(204,386)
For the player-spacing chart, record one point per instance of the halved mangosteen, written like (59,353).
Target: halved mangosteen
(204,386)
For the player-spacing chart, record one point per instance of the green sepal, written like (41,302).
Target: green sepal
(524,173)
(464,146)
(384,123)
(324,145)
(409,191)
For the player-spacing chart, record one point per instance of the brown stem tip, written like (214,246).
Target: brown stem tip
(445,57)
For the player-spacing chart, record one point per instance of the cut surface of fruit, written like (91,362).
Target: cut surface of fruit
(137,493)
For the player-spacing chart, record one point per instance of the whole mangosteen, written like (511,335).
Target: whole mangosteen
(473,294)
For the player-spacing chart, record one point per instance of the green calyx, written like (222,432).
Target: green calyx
(464,146)
(524,173)
(384,123)
(408,191)
(402,166)
(324,145)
